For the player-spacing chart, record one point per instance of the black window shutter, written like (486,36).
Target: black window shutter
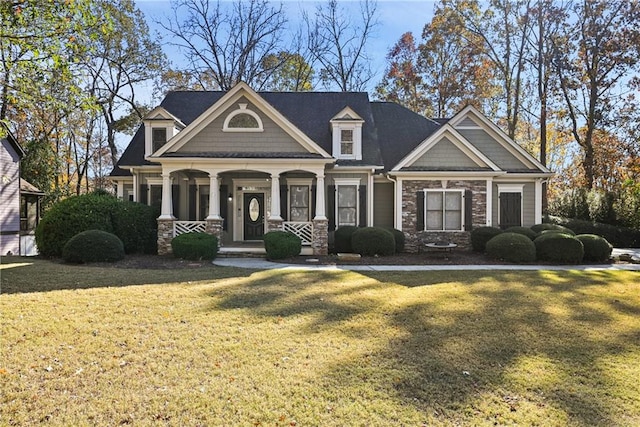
(420,211)
(312,214)
(223,205)
(175,199)
(331,206)
(283,202)
(142,194)
(510,212)
(193,194)
(362,194)
(468,210)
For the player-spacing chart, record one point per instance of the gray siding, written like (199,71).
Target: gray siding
(492,149)
(444,154)
(468,122)
(213,139)
(528,204)
(9,199)
(383,204)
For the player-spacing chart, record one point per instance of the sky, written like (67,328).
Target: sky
(395,17)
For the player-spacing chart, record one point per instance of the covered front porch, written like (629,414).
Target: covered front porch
(240,205)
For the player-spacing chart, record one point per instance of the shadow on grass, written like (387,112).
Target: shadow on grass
(490,346)
(26,275)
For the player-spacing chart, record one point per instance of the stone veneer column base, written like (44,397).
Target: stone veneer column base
(214,227)
(275,225)
(165,235)
(320,244)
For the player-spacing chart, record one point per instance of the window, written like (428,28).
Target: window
(243,121)
(346,142)
(443,210)
(299,203)
(347,205)
(158,138)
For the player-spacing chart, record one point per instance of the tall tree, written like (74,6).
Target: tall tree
(338,43)
(290,72)
(226,43)
(600,49)
(123,58)
(402,81)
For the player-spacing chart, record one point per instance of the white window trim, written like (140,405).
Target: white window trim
(242,110)
(442,191)
(299,183)
(356,128)
(346,182)
(512,188)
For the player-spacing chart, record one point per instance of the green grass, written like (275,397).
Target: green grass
(219,346)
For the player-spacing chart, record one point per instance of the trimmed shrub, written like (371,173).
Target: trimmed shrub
(93,246)
(511,247)
(559,247)
(481,235)
(195,246)
(619,237)
(370,241)
(539,228)
(399,238)
(136,226)
(282,244)
(342,238)
(525,231)
(596,248)
(134,223)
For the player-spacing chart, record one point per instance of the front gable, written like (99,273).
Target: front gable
(489,139)
(445,150)
(214,132)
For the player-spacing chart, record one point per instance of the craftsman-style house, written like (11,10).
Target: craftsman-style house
(241,163)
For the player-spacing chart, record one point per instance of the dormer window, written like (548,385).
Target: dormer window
(158,138)
(346,142)
(242,120)
(347,135)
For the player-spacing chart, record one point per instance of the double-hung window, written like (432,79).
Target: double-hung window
(158,138)
(444,210)
(346,142)
(299,205)
(347,201)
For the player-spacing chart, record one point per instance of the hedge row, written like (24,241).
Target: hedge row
(368,241)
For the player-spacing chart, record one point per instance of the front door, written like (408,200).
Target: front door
(253,216)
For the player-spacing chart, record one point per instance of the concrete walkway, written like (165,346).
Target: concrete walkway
(263,264)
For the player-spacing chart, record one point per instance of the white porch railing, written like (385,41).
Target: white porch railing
(304,230)
(182,227)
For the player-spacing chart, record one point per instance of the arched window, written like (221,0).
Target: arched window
(242,120)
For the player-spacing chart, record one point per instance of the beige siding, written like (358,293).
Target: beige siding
(528,204)
(444,154)
(213,139)
(492,149)
(383,205)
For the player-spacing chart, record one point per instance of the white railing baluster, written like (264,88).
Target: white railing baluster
(182,227)
(304,230)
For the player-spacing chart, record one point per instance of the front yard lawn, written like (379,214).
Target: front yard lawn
(211,346)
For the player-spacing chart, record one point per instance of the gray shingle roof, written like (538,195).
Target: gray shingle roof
(389,132)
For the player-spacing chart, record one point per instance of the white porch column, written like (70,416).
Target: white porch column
(166,211)
(538,202)
(214,197)
(135,188)
(275,197)
(320,213)
(120,189)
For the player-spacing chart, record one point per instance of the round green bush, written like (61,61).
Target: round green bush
(195,246)
(134,223)
(399,238)
(559,247)
(525,231)
(596,248)
(93,246)
(282,244)
(481,235)
(342,238)
(540,228)
(370,241)
(511,247)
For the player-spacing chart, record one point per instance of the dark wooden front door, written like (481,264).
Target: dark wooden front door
(510,210)
(253,216)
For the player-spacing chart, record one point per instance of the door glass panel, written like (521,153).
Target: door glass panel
(254,209)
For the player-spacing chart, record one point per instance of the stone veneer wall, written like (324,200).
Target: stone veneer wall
(214,227)
(415,240)
(165,235)
(320,244)
(275,225)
